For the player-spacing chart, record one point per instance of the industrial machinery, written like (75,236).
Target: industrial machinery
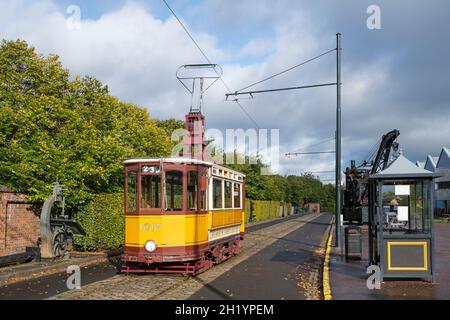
(355,207)
(57,230)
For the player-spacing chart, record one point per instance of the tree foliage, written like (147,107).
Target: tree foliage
(74,131)
(297,190)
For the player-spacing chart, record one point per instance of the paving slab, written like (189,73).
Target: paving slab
(348,278)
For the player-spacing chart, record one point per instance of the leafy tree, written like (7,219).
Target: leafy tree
(52,128)
(169,125)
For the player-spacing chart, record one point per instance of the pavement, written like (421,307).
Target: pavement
(348,278)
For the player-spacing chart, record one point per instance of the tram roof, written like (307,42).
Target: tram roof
(171,160)
(181,161)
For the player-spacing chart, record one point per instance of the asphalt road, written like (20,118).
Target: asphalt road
(287,269)
(48,286)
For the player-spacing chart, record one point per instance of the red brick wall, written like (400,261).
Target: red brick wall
(19,223)
(313,207)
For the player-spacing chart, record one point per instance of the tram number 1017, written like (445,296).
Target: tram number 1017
(150,227)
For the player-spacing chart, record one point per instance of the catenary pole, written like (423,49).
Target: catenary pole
(338,144)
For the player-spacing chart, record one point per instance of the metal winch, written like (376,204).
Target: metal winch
(57,231)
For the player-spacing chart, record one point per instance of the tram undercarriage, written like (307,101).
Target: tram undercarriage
(203,259)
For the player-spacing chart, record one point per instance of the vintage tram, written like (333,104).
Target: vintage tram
(182,215)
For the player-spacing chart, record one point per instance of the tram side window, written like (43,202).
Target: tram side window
(237,195)
(151,191)
(217,194)
(131,191)
(228,194)
(202,200)
(192,190)
(174,190)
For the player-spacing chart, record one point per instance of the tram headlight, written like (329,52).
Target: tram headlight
(150,246)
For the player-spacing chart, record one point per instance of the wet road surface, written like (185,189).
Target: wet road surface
(48,286)
(287,269)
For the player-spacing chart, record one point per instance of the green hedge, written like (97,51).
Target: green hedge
(263,210)
(104,223)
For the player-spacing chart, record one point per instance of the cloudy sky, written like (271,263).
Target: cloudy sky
(394,77)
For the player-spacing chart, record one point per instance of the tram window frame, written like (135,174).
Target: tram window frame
(168,197)
(217,200)
(135,206)
(203,182)
(239,185)
(228,196)
(158,191)
(195,200)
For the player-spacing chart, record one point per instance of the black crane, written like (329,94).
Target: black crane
(356,178)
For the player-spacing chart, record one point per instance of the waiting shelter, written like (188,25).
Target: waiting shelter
(401,220)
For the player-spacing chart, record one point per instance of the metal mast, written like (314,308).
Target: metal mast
(338,143)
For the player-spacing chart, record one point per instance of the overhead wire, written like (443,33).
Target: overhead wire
(315,144)
(209,61)
(288,69)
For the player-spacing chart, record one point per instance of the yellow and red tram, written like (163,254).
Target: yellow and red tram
(181,215)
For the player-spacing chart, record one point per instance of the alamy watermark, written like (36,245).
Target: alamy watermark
(73,282)
(234,146)
(73,21)
(374,280)
(373,22)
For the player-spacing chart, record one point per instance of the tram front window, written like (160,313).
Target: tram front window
(174,191)
(131,191)
(192,190)
(150,191)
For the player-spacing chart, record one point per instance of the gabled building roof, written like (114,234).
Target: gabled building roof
(444,159)
(403,168)
(430,163)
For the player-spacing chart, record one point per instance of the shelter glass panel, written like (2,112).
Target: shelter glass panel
(406,206)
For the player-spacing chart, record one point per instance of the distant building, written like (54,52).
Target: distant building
(441,165)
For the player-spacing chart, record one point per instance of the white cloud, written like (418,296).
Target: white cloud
(137,54)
